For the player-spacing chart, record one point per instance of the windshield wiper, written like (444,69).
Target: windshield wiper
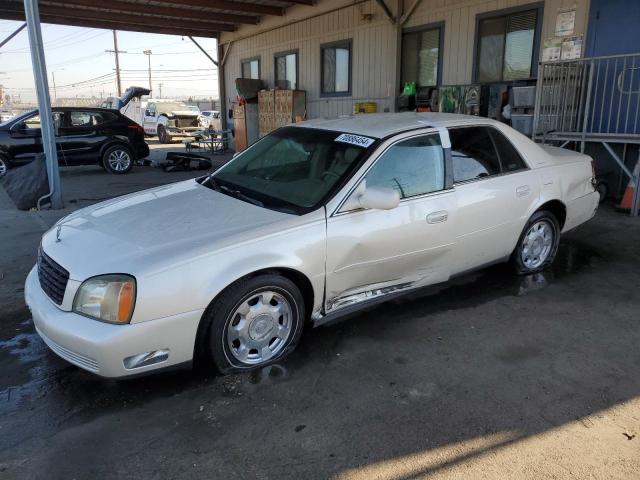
(238,194)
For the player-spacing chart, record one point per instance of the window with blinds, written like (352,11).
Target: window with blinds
(421,57)
(286,71)
(505,46)
(335,69)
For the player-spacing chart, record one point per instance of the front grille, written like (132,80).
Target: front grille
(53,278)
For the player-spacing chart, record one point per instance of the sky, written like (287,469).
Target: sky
(76,57)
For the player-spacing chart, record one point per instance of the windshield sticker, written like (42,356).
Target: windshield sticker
(356,140)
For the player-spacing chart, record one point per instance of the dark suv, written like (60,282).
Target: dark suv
(84,136)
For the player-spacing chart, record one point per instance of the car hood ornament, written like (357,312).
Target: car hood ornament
(58,233)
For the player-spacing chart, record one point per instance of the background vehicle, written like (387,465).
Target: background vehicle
(311,222)
(168,119)
(210,119)
(84,136)
(130,104)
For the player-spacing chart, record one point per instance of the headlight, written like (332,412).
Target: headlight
(109,298)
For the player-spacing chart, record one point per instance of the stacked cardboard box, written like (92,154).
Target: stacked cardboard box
(278,108)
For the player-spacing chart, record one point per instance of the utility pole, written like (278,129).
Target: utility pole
(148,54)
(160,87)
(55,93)
(117,54)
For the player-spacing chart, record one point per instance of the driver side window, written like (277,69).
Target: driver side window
(412,167)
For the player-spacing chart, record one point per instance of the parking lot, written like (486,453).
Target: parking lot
(489,376)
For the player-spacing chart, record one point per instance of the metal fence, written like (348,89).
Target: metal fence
(589,99)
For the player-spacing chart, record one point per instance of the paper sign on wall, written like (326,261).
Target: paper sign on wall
(551,50)
(566,23)
(571,48)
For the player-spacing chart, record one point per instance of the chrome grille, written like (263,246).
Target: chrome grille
(53,278)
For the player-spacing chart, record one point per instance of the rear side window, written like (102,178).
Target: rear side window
(473,154)
(510,159)
(90,119)
(412,167)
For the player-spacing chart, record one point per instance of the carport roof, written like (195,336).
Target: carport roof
(198,18)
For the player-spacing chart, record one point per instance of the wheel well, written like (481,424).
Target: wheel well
(558,209)
(300,279)
(115,144)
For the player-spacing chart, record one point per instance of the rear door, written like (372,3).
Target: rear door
(82,136)
(375,252)
(495,191)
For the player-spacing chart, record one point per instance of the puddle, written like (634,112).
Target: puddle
(63,391)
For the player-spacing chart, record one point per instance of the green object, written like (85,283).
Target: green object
(409,89)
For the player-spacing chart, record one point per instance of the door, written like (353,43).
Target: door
(81,137)
(26,139)
(375,252)
(495,192)
(150,119)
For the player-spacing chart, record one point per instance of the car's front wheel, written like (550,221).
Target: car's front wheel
(4,166)
(538,243)
(163,136)
(254,322)
(117,160)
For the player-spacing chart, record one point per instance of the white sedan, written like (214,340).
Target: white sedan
(311,222)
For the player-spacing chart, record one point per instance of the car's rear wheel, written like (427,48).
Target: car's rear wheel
(4,166)
(253,323)
(117,160)
(538,243)
(163,136)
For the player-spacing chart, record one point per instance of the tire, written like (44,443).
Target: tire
(538,244)
(240,331)
(117,160)
(4,166)
(163,136)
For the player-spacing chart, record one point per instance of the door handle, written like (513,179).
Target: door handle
(522,191)
(438,217)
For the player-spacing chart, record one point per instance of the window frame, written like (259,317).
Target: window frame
(286,53)
(257,58)
(378,153)
(425,28)
(348,42)
(492,130)
(537,36)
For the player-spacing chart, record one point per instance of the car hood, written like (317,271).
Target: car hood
(150,230)
(183,113)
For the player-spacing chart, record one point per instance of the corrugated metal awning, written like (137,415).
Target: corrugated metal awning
(201,18)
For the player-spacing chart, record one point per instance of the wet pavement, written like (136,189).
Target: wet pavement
(430,384)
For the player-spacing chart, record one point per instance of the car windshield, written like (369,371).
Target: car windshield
(295,169)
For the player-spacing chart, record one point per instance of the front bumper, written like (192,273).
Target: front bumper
(101,347)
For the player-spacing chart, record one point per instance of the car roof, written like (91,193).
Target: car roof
(382,125)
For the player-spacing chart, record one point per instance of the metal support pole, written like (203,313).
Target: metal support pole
(203,51)
(635,205)
(222,87)
(17,31)
(117,54)
(587,106)
(32,15)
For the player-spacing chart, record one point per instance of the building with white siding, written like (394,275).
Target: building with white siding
(372,47)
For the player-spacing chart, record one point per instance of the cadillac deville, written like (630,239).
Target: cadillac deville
(311,222)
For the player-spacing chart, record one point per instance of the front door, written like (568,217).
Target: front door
(26,139)
(376,252)
(150,119)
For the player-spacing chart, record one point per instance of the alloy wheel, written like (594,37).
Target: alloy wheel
(537,244)
(3,167)
(260,327)
(119,160)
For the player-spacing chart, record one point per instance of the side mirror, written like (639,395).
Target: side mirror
(56,124)
(374,198)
